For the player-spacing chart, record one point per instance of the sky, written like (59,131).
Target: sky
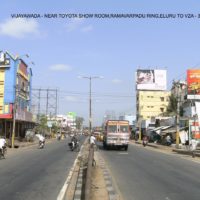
(65,49)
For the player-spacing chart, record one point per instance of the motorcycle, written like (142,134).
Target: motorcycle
(145,141)
(74,146)
(41,144)
(3,152)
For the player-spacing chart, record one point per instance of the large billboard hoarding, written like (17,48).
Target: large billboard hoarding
(151,79)
(193,82)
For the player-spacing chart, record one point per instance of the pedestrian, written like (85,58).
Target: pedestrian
(193,146)
(2,145)
(92,140)
(168,140)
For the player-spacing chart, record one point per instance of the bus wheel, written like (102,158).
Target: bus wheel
(126,148)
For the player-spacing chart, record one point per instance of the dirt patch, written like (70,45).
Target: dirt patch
(98,185)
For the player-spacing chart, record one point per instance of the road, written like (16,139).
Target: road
(146,174)
(39,174)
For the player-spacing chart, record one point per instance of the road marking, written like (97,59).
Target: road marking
(61,195)
(123,153)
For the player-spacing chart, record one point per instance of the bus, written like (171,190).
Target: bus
(116,134)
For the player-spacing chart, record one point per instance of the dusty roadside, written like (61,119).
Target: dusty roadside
(98,187)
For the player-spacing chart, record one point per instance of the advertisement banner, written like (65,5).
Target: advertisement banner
(193,82)
(151,79)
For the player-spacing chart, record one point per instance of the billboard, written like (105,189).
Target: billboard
(151,79)
(193,82)
(71,115)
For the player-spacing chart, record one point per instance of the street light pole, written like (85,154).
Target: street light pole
(90,104)
(90,98)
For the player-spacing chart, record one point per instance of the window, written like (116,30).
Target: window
(162,98)
(162,109)
(124,129)
(112,129)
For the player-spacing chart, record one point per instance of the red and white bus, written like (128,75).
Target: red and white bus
(116,134)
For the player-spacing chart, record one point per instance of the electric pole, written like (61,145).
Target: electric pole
(90,99)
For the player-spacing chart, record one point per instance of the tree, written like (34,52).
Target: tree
(79,122)
(172,107)
(54,128)
(42,126)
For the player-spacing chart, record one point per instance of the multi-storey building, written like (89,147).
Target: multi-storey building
(15,95)
(152,98)
(151,103)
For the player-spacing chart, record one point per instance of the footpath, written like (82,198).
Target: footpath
(22,145)
(172,148)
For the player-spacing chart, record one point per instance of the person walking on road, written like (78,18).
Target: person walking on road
(2,145)
(193,146)
(92,140)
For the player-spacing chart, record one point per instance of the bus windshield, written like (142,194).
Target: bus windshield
(112,129)
(124,129)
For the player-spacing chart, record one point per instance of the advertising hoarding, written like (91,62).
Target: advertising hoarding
(193,82)
(151,79)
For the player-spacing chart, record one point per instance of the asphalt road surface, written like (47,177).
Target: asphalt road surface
(36,174)
(145,174)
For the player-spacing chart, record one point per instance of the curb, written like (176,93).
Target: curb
(79,183)
(186,152)
(113,195)
(154,146)
(179,151)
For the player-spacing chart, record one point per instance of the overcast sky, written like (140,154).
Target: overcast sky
(63,49)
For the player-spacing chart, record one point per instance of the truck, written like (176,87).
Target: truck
(116,134)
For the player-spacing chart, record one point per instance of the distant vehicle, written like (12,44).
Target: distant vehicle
(99,136)
(116,134)
(74,146)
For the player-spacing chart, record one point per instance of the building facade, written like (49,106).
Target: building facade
(151,103)
(15,95)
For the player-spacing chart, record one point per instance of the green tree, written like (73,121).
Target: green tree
(172,107)
(79,122)
(55,128)
(42,126)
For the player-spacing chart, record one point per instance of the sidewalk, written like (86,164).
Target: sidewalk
(21,145)
(169,148)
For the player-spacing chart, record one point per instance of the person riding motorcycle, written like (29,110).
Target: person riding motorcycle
(145,140)
(2,145)
(74,140)
(41,140)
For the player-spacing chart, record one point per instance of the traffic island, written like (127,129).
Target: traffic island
(76,185)
(102,186)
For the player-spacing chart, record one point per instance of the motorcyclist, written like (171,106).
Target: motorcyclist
(74,140)
(145,140)
(2,145)
(41,140)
